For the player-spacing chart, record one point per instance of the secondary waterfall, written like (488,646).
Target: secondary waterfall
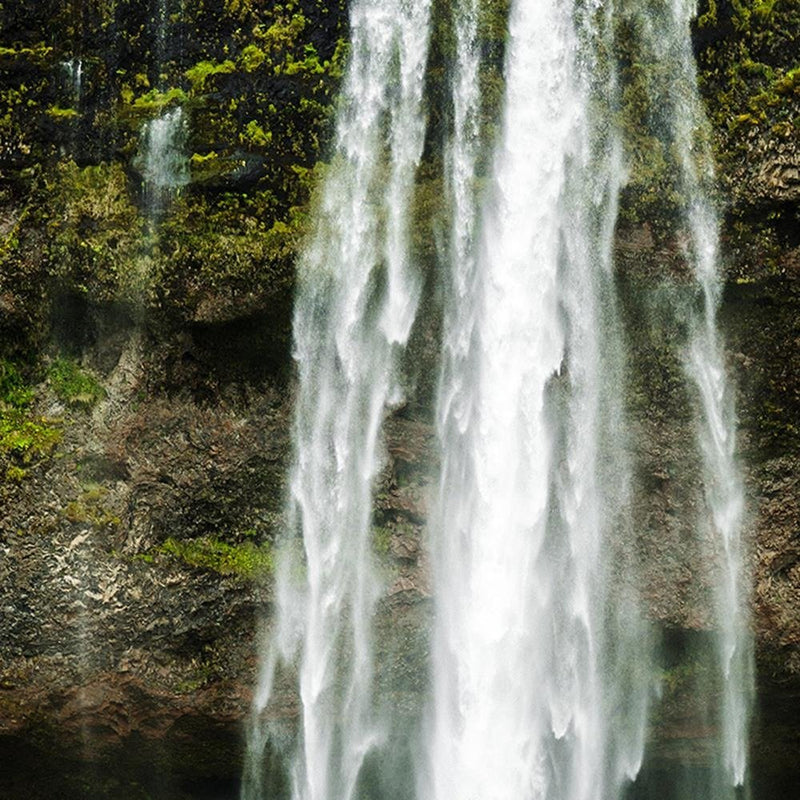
(163,159)
(164,165)
(74,72)
(726,696)
(717,427)
(543,667)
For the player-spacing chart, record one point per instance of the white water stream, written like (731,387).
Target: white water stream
(163,158)
(528,685)
(164,165)
(356,305)
(74,71)
(717,426)
(666,36)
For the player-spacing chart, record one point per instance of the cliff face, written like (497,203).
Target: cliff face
(146,379)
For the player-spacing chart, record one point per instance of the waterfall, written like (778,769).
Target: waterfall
(164,165)
(74,72)
(355,308)
(162,157)
(161,22)
(542,662)
(666,36)
(532,658)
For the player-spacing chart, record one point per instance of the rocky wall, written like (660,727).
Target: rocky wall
(146,378)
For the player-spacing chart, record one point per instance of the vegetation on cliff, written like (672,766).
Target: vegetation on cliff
(257,83)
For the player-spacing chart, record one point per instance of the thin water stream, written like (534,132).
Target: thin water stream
(706,367)
(163,159)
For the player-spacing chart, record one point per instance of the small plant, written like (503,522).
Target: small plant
(58,113)
(72,385)
(89,509)
(155,101)
(24,437)
(381,540)
(14,393)
(202,71)
(27,438)
(15,473)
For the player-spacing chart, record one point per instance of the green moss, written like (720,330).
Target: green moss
(97,245)
(309,65)
(282,35)
(27,438)
(21,107)
(252,58)
(381,540)
(493,20)
(15,473)
(201,72)
(73,385)
(58,113)
(14,391)
(749,73)
(232,244)
(429,215)
(38,54)
(206,167)
(136,110)
(90,509)
(709,17)
(247,560)
(255,135)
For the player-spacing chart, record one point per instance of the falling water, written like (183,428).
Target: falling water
(542,667)
(162,156)
(74,71)
(161,23)
(357,302)
(530,661)
(667,36)
(706,367)
(456,409)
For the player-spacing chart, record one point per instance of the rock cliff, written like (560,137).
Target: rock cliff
(146,377)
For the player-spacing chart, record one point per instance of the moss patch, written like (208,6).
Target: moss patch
(247,560)
(25,437)
(73,385)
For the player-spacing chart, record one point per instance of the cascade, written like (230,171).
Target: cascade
(725,698)
(162,152)
(164,165)
(73,84)
(356,305)
(161,14)
(74,72)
